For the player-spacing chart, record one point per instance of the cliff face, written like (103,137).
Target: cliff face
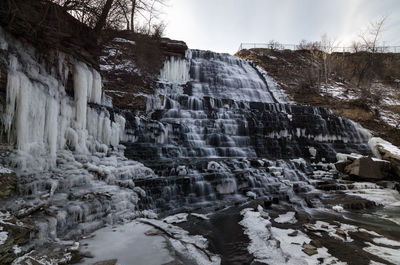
(47,26)
(128,62)
(360,86)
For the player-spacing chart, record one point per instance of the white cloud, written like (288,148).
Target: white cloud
(221,25)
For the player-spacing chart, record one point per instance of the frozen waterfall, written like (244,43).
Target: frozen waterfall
(40,118)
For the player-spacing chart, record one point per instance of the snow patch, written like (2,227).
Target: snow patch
(287,218)
(272,245)
(177,218)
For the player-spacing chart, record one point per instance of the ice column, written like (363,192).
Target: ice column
(176,70)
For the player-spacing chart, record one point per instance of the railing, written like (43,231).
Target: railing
(295,47)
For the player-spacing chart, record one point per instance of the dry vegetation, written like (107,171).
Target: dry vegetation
(362,86)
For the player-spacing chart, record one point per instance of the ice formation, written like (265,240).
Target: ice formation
(40,117)
(376,142)
(67,149)
(176,69)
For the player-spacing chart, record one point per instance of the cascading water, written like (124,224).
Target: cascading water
(220,123)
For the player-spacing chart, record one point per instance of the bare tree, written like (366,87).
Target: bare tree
(101,22)
(356,46)
(274,45)
(135,15)
(309,45)
(327,47)
(372,34)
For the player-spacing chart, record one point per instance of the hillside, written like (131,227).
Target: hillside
(360,86)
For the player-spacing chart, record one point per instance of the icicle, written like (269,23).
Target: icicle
(176,70)
(96,89)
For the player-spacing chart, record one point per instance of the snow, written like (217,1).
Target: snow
(378,195)
(251,194)
(4,170)
(338,91)
(389,251)
(312,151)
(177,218)
(369,232)
(372,262)
(273,86)
(376,142)
(333,229)
(337,208)
(33,258)
(389,254)
(345,157)
(386,241)
(200,216)
(287,218)
(3,236)
(16,249)
(265,247)
(124,41)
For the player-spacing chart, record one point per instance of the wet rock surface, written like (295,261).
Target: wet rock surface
(8,182)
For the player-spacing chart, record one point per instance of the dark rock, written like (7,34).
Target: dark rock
(275,200)
(46,24)
(341,165)
(267,204)
(341,233)
(173,47)
(106,262)
(309,249)
(365,168)
(16,235)
(8,182)
(316,243)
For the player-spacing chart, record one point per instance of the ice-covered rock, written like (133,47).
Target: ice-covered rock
(385,150)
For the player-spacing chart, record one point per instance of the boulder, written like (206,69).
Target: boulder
(366,168)
(344,160)
(8,182)
(385,150)
(341,165)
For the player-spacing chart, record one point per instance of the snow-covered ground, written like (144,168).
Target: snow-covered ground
(389,98)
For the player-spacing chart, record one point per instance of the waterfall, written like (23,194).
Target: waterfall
(214,132)
(227,109)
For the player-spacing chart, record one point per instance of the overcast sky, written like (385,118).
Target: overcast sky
(221,25)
